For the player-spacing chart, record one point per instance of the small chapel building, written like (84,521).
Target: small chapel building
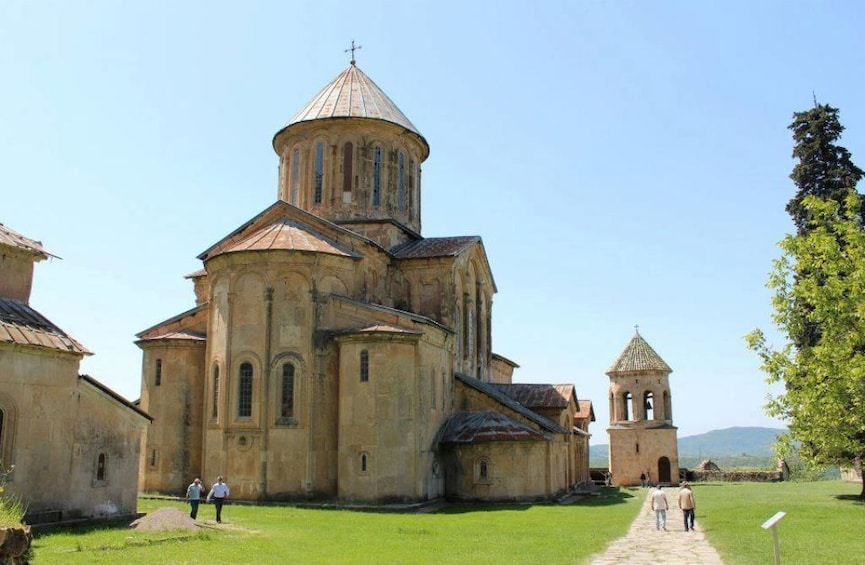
(334,352)
(642,437)
(71,443)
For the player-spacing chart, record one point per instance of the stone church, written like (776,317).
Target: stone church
(71,442)
(333,352)
(642,436)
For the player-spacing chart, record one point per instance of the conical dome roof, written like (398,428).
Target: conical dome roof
(638,356)
(352,94)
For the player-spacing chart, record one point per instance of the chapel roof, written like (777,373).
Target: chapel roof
(22,325)
(12,238)
(434,247)
(493,392)
(585,410)
(536,396)
(638,356)
(486,426)
(352,94)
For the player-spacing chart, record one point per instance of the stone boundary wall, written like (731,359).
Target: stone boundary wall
(737,476)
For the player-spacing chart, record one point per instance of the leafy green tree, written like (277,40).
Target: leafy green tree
(824,397)
(819,302)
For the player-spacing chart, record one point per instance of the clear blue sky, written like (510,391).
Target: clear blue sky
(625,162)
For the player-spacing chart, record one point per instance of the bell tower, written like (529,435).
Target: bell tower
(642,436)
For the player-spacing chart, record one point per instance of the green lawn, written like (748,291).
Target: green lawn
(266,534)
(823,524)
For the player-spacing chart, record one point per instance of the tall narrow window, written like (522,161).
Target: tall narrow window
(628,404)
(412,204)
(484,471)
(153,457)
(364,463)
(157,376)
(295,175)
(319,172)
(376,177)
(287,396)
(347,166)
(215,410)
(244,392)
(364,366)
(400,187)
(100,467)
(416,190)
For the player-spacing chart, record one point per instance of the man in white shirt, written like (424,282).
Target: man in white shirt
(218,492)
(659,505)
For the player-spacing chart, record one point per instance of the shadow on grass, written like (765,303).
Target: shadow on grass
(854,498)
(606,496)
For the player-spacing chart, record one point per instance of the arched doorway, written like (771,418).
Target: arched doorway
(664,470)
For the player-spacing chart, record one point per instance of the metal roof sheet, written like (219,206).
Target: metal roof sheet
(23,325)
(486,426)
(434,247)
(352,94)
(538,395)
(287,234)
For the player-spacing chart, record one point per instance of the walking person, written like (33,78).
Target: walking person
(659,505)
(643,480)
(193,497)
(218,492)
(687,504)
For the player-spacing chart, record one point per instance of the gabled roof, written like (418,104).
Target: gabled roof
(285,226)
(490,391)
(177,319)
(486,426)
(11,238)
(535,396)
(352,94)
(21,324)
(585,411)
(638,356)
(379,329)
(504,359)
(434,247)
(391,311)
(101,387)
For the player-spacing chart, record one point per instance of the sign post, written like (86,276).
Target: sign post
(770,524)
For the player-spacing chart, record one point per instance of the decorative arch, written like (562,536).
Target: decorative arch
(648,403)
(245,385)
(483,470)
(287,386)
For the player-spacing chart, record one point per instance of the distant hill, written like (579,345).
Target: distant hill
(730,447)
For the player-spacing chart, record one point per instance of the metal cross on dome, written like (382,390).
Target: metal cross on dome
(353,48)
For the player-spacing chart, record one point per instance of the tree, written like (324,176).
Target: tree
(824,170)
(819,301)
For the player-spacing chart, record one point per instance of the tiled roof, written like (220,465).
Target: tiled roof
(22,325)
(196,274)
(584,410)
(287,234)
(638,356)
(434,247)
(352,94)
(478,427)
(491,391)
(538,395)
(12,238)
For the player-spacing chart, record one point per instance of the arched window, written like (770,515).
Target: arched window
(157,375)
(347,170)
(364,463)
(215,409)
(244,391)
(484,472)
(295,175)
(628,401)
(287,396)
(364,366)
(648,405)
(376,176)
(400,185)
(415,204)
(318,181)
(100,467)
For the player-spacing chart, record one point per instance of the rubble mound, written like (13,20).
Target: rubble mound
(164,519)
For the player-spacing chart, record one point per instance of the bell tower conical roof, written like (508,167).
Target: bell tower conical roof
(638,356)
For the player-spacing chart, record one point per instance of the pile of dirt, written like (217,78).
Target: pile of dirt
(163,519)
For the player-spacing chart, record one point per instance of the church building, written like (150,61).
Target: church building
(333,352)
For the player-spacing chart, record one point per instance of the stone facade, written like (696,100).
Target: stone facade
(328,349)
(74,444)
(642,438)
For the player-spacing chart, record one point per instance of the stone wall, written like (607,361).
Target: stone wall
(737,476)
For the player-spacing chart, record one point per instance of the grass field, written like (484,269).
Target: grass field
(822,526)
